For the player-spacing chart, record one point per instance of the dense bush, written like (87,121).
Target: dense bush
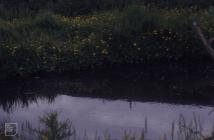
(137,34)
(21,8)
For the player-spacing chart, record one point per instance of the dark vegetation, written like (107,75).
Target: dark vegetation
(18,8)
(63,35)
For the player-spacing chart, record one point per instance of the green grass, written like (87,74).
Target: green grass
(137,34)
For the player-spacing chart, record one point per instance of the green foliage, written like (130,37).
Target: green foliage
(137,19)
(137,34)
(10,9)
(53,128)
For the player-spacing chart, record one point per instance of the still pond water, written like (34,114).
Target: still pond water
(99,115)
(103,103)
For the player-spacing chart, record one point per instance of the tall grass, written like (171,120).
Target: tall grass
(51,128)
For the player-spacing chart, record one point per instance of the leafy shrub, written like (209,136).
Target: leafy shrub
(137,34)
(10,9)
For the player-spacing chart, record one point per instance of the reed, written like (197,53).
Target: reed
(51,128)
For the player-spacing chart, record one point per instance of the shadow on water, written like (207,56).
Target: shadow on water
(11,102)
(171,84)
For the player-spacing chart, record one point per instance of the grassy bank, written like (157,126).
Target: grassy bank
(48,42)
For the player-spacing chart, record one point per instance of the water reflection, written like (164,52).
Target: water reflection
(181,89)
(116,101)
(94,115)
(9,102)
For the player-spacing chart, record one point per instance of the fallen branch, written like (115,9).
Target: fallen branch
(206,43)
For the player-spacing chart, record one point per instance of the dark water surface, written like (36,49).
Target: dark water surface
(109,101)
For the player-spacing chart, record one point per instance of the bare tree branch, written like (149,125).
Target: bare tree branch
(206,43)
